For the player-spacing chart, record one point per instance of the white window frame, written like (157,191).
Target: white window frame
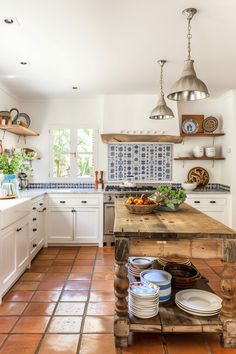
(73,178)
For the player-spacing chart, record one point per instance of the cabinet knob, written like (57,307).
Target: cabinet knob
(34,219)
(73,210)
(197,201)
(34,208)
(62,201)
(84,201)
(20,228)
(40,204)
(34,230)
(212,201)
(35,245)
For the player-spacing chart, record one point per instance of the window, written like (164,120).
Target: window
(72,153)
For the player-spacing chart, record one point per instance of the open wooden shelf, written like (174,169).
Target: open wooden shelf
(190,158)
(19,130)
(136,138)
(213,135)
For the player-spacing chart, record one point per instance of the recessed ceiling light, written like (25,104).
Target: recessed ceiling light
(9,20)
(74,87)
(23,62)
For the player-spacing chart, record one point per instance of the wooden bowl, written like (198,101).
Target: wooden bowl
(140,209)
(183,276)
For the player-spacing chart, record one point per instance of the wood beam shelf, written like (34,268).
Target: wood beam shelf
(19,130)
(212,135)
(190,158)
(136,138)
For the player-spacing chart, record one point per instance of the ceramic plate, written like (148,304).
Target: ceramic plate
(157,276)
(198,175)
(200,300)
(196,311)
(210,124)
(190,126)
(202,314)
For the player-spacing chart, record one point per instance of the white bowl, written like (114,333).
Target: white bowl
(189,186)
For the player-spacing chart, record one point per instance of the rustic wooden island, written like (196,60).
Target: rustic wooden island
(187,232)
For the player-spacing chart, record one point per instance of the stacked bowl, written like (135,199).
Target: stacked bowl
(143,299)
(173,259)
(161,279)
(139,264)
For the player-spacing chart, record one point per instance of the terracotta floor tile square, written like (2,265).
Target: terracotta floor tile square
(27,285)
(145,343)
(70,256)
(102,262)
(98,344)
(32,277)
(86,256)
(70,309)
(44,257)
(46,296)
(39,309)
(2,338)
(60,269)
(21,344)
(105,257)
(18,295)
(82,269)
(77,285)
(63,262)
(55,276)
(31,324)
(50,250)
(51,285)
(106,250)
(80,276)
(106,268)
(65,324)
(74,295)
(12,308)
(98,324)
(84,262)
(101,296)
(101,308)
(67,343)
(42,263)
(88,249)
(38,269)
(102,284)
(104,276)
(182,343)
(7,323)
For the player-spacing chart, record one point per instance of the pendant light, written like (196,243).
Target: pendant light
(188,87)
(161,111)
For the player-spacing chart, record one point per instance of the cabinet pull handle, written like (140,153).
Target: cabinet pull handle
(84,201)
(62,201)
(35,245)
(34,230)
(197,201)
(34,219)
(34,208)
(212,201)
(73,210)
(40,204)
(41,211)
(20,228)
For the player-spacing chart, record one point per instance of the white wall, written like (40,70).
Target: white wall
(113,113)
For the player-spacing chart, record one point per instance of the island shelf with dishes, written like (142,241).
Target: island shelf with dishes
(184,233)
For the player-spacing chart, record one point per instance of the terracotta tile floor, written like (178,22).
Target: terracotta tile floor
(65,304)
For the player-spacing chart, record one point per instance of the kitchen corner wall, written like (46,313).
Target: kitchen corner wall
(114,113)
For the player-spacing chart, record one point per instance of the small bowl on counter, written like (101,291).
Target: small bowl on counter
(140,206)
(189,186)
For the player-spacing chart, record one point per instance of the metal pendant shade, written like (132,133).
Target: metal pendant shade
(161,111)
(189,87)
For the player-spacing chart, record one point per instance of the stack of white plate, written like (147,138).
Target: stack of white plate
(198,302)
(159,278)
(143,300)
(173,259)
(138,264)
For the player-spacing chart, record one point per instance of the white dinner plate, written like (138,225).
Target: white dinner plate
(197,311)
(195,299)
(202,314)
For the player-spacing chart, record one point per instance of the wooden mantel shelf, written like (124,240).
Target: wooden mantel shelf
(19,130)
(191,158)
(135,138)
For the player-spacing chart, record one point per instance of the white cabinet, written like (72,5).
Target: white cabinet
(8,257)
(60,225)
(75,219)
(217,206)
(37,226)
(22,244)
(86,225)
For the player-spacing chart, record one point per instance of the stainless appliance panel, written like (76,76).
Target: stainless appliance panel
(109,218)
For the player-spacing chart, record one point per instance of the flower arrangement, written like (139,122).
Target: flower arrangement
(168,196)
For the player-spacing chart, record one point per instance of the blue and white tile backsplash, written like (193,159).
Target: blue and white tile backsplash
(146,162)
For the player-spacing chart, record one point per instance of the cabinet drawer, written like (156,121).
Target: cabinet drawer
(209,202)
(77,201)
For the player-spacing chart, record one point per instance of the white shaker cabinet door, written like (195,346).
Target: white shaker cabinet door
(8,257)
(60,225)
(87,225)
(22,244)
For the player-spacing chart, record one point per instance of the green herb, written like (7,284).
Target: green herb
(11,165)
(168,196)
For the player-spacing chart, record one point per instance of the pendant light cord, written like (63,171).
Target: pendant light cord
(189,36)
(161,79)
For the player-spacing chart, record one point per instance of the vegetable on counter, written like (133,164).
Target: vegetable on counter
(168,196)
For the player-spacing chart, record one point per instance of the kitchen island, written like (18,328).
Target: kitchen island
(187,232)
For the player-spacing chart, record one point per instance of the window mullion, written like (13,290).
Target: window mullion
(73,154)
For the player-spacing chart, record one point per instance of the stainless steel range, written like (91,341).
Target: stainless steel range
(112,192)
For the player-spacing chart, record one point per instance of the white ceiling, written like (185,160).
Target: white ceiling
(112,46)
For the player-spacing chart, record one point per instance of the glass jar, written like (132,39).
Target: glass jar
(10,187)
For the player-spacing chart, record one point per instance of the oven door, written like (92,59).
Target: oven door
(109,218)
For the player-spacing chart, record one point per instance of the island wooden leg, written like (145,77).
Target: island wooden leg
(228,287)
(121,285)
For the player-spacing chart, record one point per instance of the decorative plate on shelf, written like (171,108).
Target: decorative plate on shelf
(199,175)
(190,126)
(210,124)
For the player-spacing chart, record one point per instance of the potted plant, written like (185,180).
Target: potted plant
(168,198)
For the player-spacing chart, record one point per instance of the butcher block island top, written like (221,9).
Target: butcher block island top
(186,232)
